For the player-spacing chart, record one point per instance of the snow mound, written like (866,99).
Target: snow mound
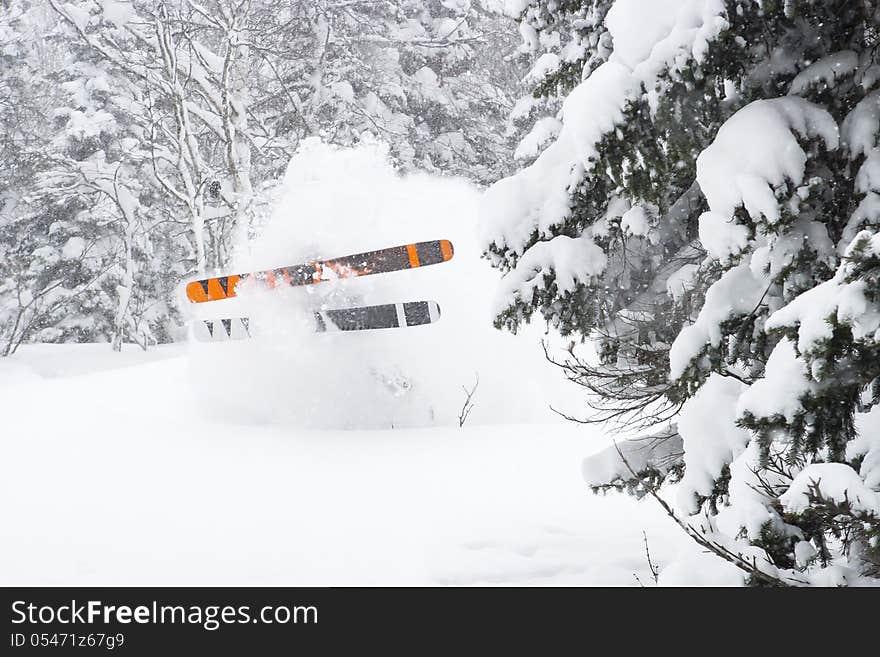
(335,202)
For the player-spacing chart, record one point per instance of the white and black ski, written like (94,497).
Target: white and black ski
(365,318)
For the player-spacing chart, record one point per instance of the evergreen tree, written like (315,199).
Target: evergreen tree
(707,216)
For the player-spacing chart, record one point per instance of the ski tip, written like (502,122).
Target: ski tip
(447,250)
(196,293)
(212,289)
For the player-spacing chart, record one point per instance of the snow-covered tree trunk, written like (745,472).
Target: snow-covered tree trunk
(128,209)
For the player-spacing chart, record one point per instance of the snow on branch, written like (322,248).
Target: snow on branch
(655,454)
(757,151)
(836,482)
(826,71)
(537,198)
(570,259)
(737,292)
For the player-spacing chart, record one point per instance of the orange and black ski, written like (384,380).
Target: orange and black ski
(395,258)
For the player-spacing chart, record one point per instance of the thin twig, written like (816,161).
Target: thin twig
(468,402)
(655,572)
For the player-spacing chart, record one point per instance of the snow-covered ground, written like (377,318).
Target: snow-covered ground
(113,473)
(299,458)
